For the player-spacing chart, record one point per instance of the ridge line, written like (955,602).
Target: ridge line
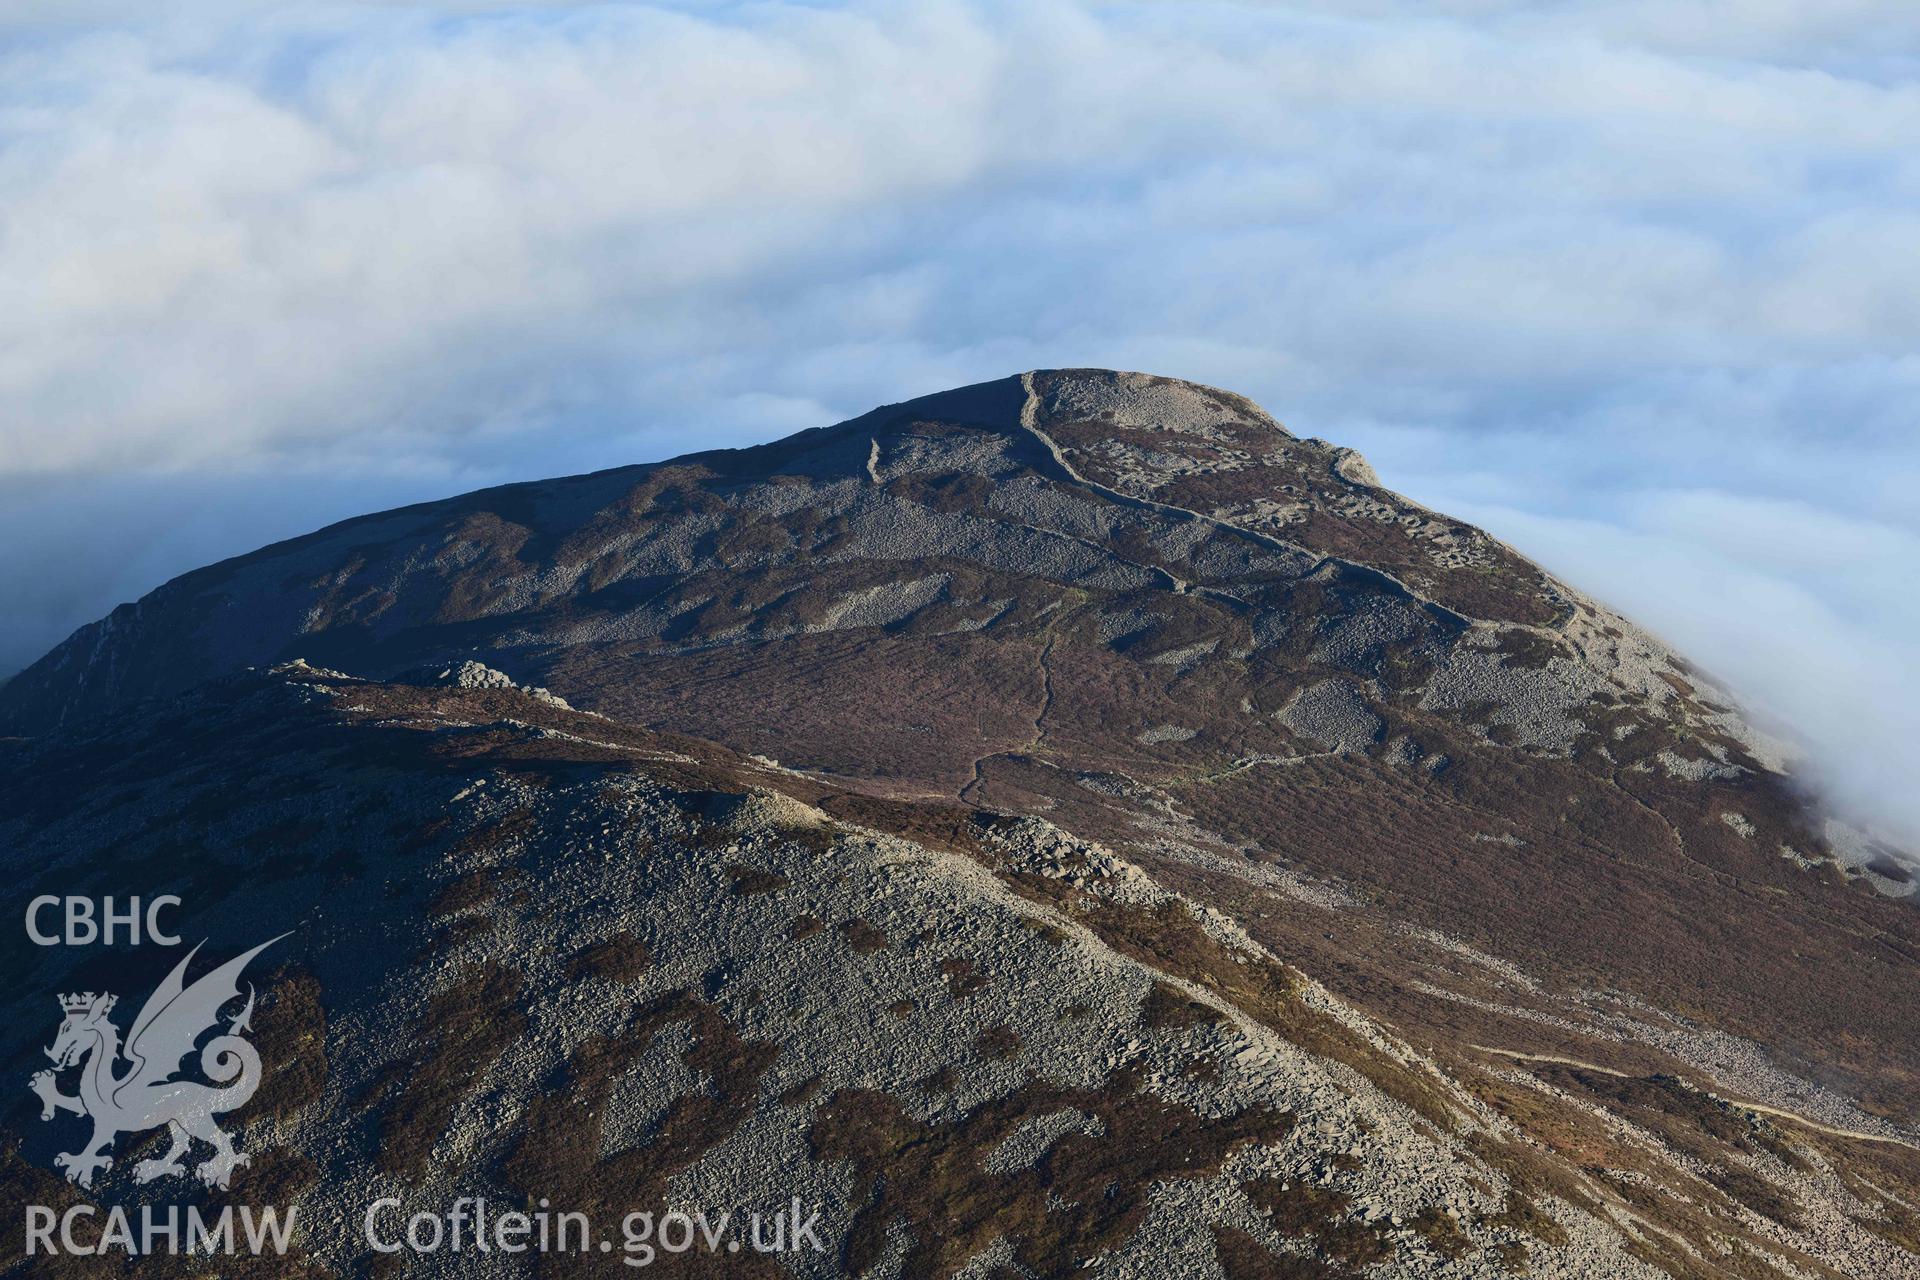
(1030,423)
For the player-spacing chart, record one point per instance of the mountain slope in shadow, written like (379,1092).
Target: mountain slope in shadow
(1111,653)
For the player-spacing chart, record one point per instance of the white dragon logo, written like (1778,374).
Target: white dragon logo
(145,1096)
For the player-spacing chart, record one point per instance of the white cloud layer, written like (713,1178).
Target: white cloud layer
(1636,284)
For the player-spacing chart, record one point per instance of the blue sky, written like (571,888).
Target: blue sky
(1634,285)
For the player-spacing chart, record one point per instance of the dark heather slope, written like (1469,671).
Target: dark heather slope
(1478,805)
(540,954)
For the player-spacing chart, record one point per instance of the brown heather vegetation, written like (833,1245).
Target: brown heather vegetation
(556,1156)
(291,1035)
(1169,1008)
(1319,1215)
(748,881)
(863,937)
(464,1029)
(963,976)
(1244,1258)
(621,958)
(1023,685)
(929,1177)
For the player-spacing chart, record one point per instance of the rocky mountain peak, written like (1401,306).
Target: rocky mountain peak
(1076,744)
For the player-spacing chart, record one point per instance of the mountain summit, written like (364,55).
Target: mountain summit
(1051,476)
(1307,760)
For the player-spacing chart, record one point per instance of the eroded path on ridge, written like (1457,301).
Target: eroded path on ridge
(1743,1104)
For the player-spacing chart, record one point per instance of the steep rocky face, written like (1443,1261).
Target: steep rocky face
(1478,809)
